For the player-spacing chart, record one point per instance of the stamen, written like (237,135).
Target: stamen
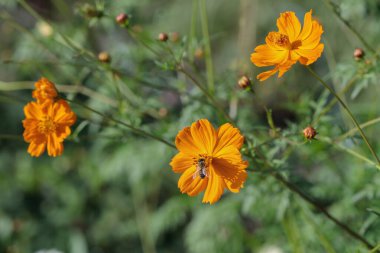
(46,126)
(279,39)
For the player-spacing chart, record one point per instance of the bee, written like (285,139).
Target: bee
(201,169)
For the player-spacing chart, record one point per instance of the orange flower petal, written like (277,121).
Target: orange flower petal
(237,184)
(54,147)
(285,67)
(312,41)
(33,111)
(267,56)
(228,135)
(265,75)
(204,135)
(45,91)
(307,26)
(185,142)
(309,56)
(36,149)
(214,188)
(62,132)
(191,185)
(181,162)
(228,170)
(289,24)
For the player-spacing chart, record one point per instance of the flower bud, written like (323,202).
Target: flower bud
(163,112)
(104,57)
(199,53)
(91,11)
(163,37)
(358,54)
(244,82)
(309,132)
(122,19)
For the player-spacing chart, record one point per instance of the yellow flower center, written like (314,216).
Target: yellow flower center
(283,41)
(47,125)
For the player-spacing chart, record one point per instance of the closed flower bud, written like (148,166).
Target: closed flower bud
(244,82)
(309,132)
(199,53)
(358,54)
(104,57)
(163,112)
(122,19)
(163,37)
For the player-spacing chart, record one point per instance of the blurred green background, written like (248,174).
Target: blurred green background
(114,191)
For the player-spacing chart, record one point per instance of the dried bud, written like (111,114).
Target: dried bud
(174,37)
(91,11)
(163,112)
(358,54)
(122,19)
(104,57)
(199,53)
(309,132)
(163,37)
(244,82)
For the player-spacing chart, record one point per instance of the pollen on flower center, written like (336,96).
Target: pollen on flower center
(279,39)
(207,159)
(47,125)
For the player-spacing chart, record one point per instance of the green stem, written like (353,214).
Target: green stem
(311,201)
(206,37)
(350,151)
(334,101)
(335,9)
(192,30)
(348,112)
(354,130)
(10,137)
(206,93)
(377,248)
(132,128)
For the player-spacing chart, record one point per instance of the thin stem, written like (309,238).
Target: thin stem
(193,23)
(206,37)
(311,201)
(350,151)
(335,9)
(354,130)
(132,128)
(206,93)
(377,248)
(11,137)
(348,112)
(334,101)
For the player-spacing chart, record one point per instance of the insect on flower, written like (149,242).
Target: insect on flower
(201,169)
(209,160)
(289,45)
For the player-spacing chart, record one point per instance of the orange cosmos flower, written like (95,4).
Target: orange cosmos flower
(209,160)
(289,45)
(45,91)
(47,126)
